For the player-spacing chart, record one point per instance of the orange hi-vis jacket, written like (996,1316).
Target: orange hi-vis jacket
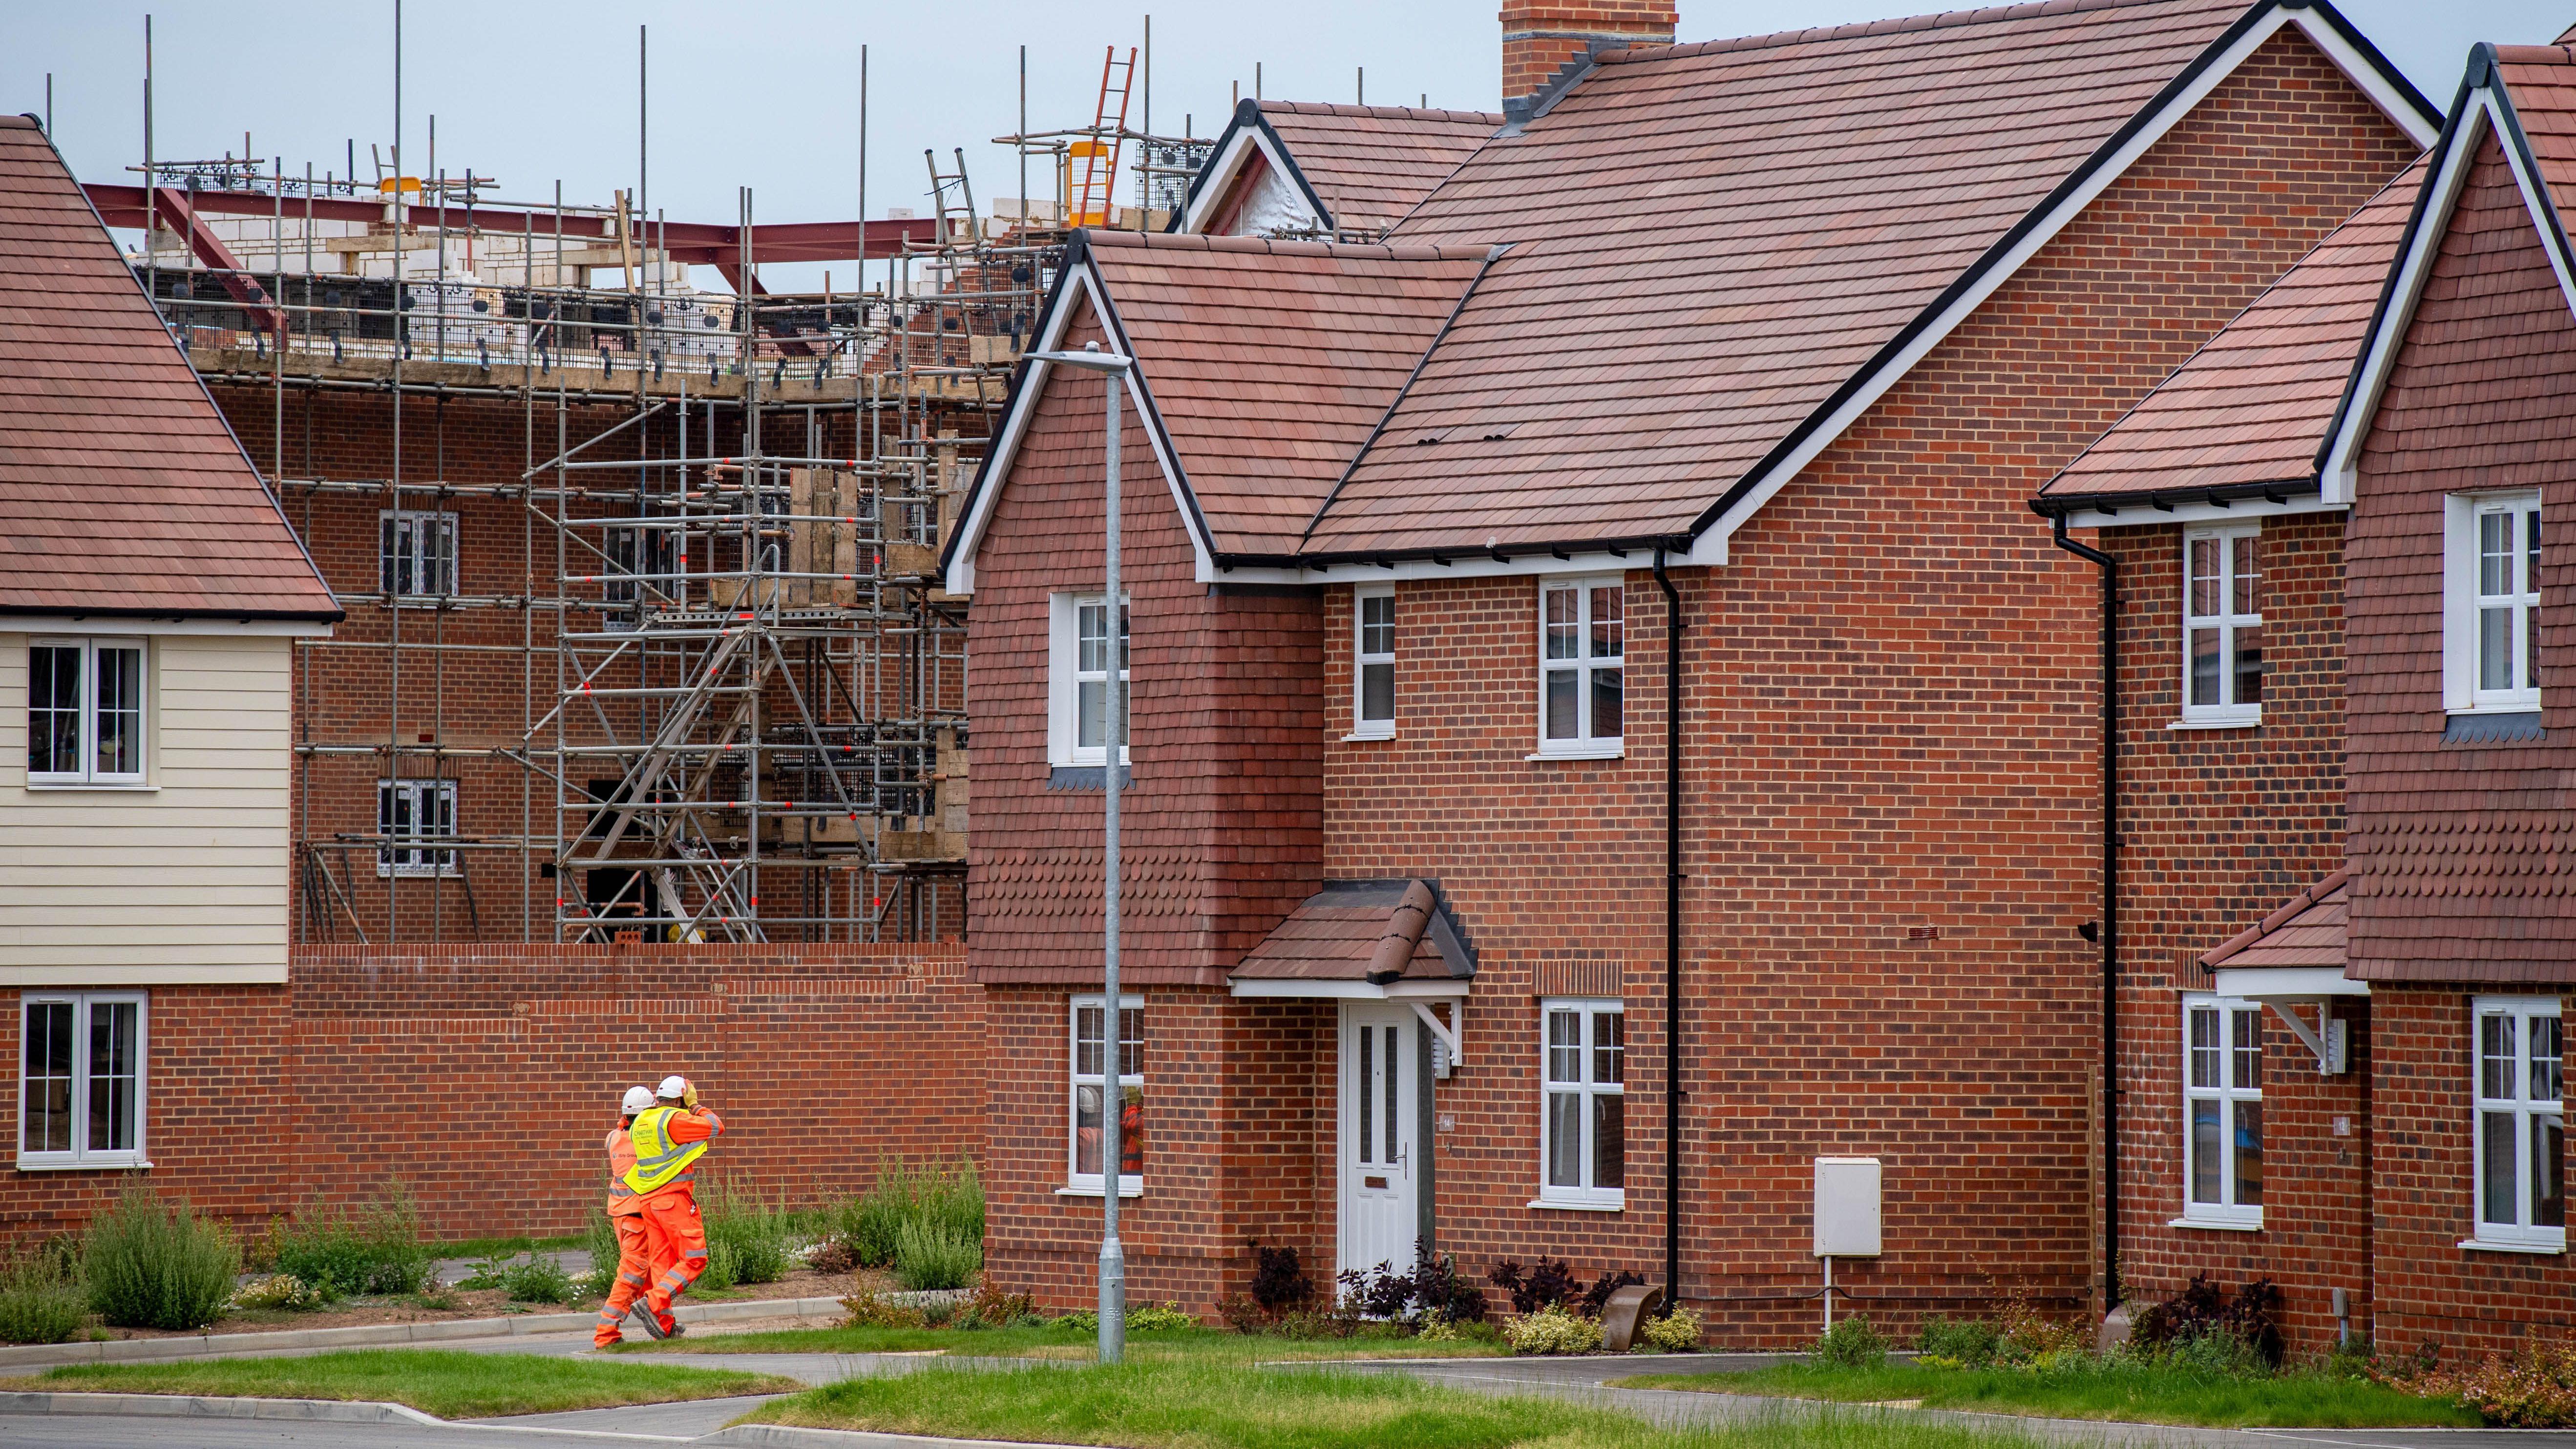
(622,1200)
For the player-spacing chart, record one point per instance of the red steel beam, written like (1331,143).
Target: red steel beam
(210,250)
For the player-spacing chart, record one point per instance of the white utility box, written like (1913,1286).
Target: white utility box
(1847,1211)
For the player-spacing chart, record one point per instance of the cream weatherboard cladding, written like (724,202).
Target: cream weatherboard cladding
(180,880)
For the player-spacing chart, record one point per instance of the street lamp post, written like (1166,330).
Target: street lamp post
(1113,1098)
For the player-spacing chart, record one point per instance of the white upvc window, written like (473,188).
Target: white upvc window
(2222,627)
(1078,679)
(1373,662)
(1582,640)
(2491,603)
(2222,1075)
(415,554)
(81,1079)
(1090,1088)
(85,711)
(2521,1158)
(411,812)
(1583,1133)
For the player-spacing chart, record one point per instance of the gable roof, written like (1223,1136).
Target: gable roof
(123,490)
(1377,931)
(2307,930)
(2245,416)
(2525,96)
(1360,167)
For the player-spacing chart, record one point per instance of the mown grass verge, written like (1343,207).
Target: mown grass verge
(2093,1389)
(1199,1345)
(443,1382)
(1186,1405)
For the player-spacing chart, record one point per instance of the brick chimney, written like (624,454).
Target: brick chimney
(1540,36)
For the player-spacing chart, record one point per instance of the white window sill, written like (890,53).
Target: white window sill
(1361,736)
(103,1162)
(1127,1187)
(2497,706)
(389,873)
(103,787)
(1603,750)
(2219,722)
(1569,1205)
(2490,1245)
(2217,1225)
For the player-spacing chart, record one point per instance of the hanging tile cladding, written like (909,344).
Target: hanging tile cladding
(2253,405)
(1221,837)
(112,462)
(1238,1119)
(2218,828)
(483,1075)
(1708,240)
(1372,164)
(2461,857)
(2427,1289)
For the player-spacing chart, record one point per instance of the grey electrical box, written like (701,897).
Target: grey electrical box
(2338,1054)
(1847,1207)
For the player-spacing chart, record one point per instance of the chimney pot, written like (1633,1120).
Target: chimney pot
(1540,36)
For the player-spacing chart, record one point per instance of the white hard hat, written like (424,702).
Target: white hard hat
(638,1099)
(674,1088)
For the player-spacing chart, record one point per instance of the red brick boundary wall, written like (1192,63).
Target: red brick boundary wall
(483,1076)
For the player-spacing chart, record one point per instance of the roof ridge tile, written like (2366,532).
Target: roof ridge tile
(1863,29)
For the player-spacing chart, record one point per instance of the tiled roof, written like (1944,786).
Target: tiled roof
(2253,405)
(2542,82)
(1708,241)
(1371,164)
(1270,361)
(2308,931)
(1374,930)
(121,488)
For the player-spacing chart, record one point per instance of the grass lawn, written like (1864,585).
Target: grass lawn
(1202,1345)
(2137,1392)
(1202,1405)
(446,1383)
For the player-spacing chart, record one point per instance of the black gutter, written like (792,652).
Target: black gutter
(1450,553)
(2110,929)
(2166,500)
(1672,932)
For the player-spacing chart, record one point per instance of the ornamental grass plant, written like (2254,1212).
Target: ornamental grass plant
(42,1299)
(376,1249)
(156,1264)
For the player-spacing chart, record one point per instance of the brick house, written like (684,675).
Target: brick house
(2341,941)
(1691,352)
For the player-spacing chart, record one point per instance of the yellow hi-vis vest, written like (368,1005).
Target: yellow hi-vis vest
(659,1161)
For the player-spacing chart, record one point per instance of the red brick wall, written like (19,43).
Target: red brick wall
(1541,35)
(2219,828)
(484,1076)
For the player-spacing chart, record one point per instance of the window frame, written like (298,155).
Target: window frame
(2463,689)
(2521,1235)
(386,866)
(1363,658)
(86,741)
(81,1157)
(2227,621)
(1088,1184)
(1589,1195)
(1584,744)
(391,525)
(2230,1094)
(1065,676)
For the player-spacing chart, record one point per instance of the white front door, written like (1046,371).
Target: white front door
(1380,1157)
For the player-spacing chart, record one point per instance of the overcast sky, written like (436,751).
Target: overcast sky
(766,95)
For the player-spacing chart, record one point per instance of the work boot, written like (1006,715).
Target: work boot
(674,1328)
(652,1322)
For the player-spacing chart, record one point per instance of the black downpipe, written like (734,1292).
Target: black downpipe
(2110,928)
(1672,932)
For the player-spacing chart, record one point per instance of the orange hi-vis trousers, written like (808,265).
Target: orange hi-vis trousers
(678,1240)
(635,1268)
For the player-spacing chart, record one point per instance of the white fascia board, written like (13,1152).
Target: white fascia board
(1477,566)
(2535,200)
(2291,984)
(1710,549)
(118,624)
(2405,289)
(1313,989)
(961,567)
(1229,166)
(2242,510)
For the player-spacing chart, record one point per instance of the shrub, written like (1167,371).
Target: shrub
(751,1234)
(279,1292)
(1961,1343)
(538,1278)
(599,1235)
(41,1299)
(930,1255)
(831,1256)
(1549,1282)
(1380,1292)
(1441,1293)
(1851,1343)
(867,1310)
(1279,1281)
(1436,1329)
(152,1265)
(2250,1317)
(868,1224)
(1552,1330)
(2535,1388)
(1675,1332)
(377,1250)
(1150,1319)
(990,1307)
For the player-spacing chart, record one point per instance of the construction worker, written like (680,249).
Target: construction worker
(670,1136)
(635,1263)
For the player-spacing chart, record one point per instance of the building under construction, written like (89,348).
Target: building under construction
(645,638)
